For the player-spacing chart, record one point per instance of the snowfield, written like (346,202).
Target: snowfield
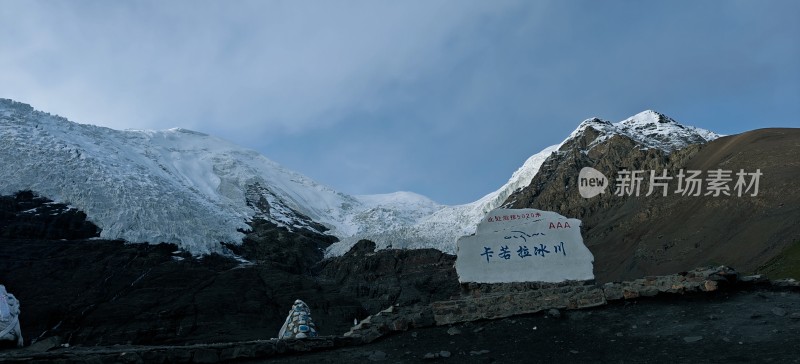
(195,190)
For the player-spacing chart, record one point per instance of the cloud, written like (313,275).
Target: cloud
(444,98)
(269,66)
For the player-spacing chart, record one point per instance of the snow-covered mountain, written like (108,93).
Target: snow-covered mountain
(195,190)
(177,185)
(441,229)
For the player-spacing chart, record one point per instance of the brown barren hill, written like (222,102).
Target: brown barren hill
(632,236)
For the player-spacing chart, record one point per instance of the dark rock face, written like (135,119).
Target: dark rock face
(292,251)
(98,292)
(392,276)
(632,237)
(27,216)
(362,248)
(107,292)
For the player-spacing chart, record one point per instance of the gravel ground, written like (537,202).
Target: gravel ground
(735,327)
(751,326)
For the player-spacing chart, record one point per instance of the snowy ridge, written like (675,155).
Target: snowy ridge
(176,186)
(195,190)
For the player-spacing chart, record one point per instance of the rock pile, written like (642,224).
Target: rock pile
(299,324)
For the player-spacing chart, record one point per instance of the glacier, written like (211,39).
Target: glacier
(177,186)
(195,190)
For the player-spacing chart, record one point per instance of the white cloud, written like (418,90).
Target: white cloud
(268,66)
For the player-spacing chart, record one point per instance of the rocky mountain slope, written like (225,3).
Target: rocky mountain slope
(646,235)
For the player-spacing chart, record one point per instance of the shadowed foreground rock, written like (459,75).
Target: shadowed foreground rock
(749,318)
(97,292)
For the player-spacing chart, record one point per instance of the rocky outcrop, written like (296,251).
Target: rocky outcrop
(698,280)
(391,276)
(28,216)
(292,251)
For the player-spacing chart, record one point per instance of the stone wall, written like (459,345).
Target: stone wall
(494,305)
(492,301)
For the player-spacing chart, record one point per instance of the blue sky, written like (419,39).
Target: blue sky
(442,98)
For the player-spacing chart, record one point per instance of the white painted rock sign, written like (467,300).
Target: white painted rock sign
(524,245)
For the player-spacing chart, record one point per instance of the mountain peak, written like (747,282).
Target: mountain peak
(9,105)
(649,128)
(649,117)
(594,121)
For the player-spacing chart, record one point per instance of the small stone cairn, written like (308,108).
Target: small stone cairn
(299,324)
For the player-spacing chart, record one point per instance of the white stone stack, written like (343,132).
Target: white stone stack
(299,324)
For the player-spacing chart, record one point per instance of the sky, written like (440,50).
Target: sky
(442,98)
